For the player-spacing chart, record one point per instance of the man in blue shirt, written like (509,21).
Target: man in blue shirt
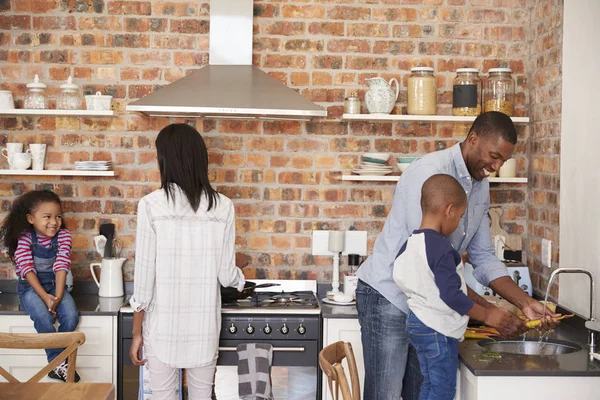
(382,306)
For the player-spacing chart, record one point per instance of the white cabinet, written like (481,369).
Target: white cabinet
(471,387)
(346,330)
(96,358)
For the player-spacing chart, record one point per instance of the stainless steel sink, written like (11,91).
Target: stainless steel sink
(550,347)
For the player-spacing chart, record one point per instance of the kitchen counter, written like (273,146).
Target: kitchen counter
(333,311)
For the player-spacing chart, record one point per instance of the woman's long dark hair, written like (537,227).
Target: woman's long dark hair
(15,223)
(183,160)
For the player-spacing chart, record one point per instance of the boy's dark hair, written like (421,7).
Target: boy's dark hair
(183,160)
(494,125)
(440,190)
(15,223)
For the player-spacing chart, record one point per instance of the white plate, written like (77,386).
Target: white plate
(363,166)
(337,303)
(371,173)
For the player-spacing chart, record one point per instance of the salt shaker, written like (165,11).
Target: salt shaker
(352,104)
(35,99)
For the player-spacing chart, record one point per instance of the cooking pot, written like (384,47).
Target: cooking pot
(231,293)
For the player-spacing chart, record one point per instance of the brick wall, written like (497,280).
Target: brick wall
(544,151)
(282,176)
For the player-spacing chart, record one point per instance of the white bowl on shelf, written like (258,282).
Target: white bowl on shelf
(382,157)
(402,166)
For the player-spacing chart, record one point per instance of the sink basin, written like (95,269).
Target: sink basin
(550,347)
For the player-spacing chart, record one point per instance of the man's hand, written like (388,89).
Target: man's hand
(533,309)
(508,324)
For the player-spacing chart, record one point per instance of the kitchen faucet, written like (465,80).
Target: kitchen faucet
(591,324)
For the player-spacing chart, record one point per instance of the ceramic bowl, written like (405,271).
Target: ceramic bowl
(402,166)
(381,157)
(406,160)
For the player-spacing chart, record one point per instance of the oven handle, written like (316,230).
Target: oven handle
(281,349)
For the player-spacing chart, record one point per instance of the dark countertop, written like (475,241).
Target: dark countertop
(85,296)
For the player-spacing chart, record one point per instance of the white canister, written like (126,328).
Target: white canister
(98,102)
(6,100)
(508,169)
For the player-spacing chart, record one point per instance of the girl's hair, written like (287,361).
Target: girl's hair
(183,160)
(15,223)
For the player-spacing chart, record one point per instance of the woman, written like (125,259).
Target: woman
(184,250)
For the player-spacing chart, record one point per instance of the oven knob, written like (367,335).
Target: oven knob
(285,329)
(301,329)
(250,329)
(267,329)
(232,328)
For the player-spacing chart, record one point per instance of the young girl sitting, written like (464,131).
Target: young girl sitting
(39,244)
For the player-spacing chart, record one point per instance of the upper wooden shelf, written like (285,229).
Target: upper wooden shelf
(55,172)
(57,113)
(421,118)
(394,178)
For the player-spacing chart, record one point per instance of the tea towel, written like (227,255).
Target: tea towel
(254,371)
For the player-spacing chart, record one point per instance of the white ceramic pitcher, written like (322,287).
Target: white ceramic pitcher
(111,277)
(380,97)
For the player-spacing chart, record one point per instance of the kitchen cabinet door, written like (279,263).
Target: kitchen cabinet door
(346,330)
(90,368)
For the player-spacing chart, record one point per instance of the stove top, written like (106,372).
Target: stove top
(303,301)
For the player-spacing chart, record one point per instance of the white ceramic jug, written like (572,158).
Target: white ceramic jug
(380,97)
(111,277)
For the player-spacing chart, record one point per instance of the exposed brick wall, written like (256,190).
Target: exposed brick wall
(544,152)
(282,176)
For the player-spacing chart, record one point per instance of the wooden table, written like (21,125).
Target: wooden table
(55,391)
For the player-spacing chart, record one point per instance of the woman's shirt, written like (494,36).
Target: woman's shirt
(24,256)
(181,258)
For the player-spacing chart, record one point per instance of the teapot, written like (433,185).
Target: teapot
(380,97)
(111,277)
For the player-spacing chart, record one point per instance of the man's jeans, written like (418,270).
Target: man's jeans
(43,321)
(391,364)
(438,356)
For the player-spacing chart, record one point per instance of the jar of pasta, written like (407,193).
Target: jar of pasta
(466,92)
(422,92)
(499,91)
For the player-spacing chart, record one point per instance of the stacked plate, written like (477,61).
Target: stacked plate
(93,165)
(373,164)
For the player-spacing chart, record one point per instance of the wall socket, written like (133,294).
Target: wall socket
(547,253)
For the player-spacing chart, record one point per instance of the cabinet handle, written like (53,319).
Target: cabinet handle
(281,349)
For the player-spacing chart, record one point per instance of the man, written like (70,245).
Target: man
(382,307)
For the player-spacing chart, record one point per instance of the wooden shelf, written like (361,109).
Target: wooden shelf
(418,118)
(55,172)
(57,113)
(394,178)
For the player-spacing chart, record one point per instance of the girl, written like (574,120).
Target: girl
(184,249)
(40,246)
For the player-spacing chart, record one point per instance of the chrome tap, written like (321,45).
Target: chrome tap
(591,324)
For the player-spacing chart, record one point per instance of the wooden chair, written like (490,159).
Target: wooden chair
(330,360)
(69,340)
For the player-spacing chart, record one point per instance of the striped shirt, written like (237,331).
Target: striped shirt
(181,257)
(24,257)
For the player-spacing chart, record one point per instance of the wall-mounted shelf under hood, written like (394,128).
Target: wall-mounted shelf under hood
(228,91)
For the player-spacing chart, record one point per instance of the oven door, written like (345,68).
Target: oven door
(293,374)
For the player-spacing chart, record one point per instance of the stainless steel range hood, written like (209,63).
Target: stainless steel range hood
(230,86)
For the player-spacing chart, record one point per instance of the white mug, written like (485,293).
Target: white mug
(38,156)
(11,148)
(6,100)
(508,169)
(21,160)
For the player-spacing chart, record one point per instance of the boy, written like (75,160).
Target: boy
(430,271)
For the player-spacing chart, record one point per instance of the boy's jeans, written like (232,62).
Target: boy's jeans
(438,356)
(43,321)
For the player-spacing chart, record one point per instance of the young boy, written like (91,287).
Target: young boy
(430,271)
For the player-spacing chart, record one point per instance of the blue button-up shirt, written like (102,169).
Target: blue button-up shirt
(472,234)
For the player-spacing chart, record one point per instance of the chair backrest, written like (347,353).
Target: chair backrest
(330,360)
(68,340)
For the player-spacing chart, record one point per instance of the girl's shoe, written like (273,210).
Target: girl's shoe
(60,373)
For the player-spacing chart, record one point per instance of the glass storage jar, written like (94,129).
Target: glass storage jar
(35,98)
(499,91)
(466,92)
(69,97)
(352,104)
(422,92)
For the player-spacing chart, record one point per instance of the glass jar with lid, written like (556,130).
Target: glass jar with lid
(35,98)
(466,92)
(422,92)
(69,97)
(499,92)
(352,104)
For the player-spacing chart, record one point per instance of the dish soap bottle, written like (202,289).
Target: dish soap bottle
(350,279)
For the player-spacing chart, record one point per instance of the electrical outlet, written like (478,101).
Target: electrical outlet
(547,253)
